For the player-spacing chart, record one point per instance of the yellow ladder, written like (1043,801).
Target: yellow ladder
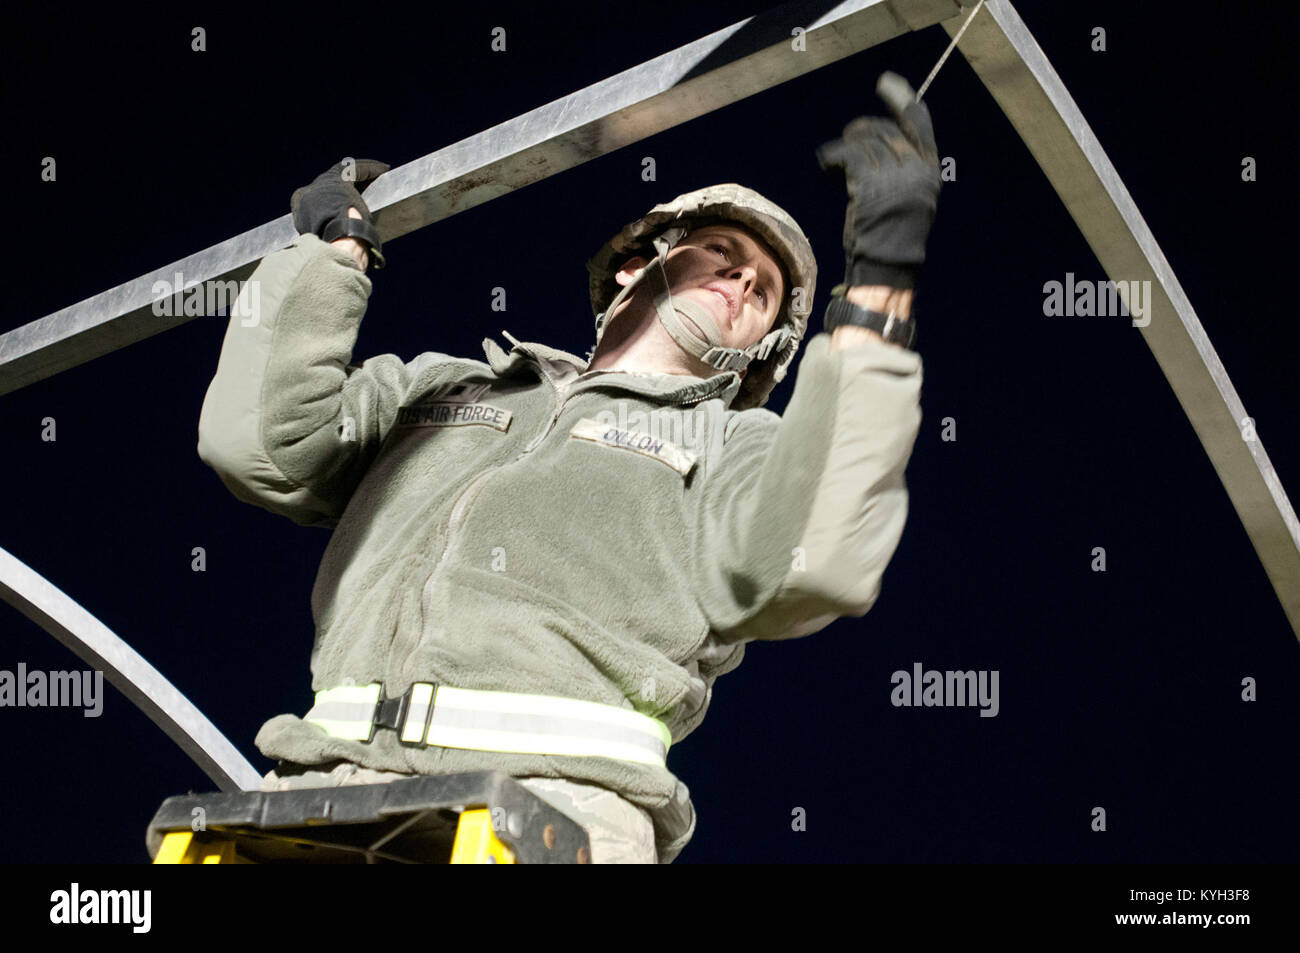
(483,817)
(476,843)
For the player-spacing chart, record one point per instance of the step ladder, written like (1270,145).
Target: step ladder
(483,817)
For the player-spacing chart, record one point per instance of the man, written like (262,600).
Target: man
(477,570)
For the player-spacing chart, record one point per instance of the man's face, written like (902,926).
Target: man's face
(731,272)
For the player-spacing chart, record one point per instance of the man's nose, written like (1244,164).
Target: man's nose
(746,275)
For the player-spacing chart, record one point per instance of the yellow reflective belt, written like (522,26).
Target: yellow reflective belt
(347,712)
(497,721)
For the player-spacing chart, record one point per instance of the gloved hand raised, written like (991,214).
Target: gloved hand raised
(321,208)
(891,171)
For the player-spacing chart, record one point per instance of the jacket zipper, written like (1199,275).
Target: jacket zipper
(555,415)
(466,495)
(453,522)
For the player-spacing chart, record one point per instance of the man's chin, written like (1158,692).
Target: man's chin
(699,332)
(709,301)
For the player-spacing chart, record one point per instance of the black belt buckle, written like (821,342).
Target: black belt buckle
(391,712)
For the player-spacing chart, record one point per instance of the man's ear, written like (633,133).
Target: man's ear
(630,267)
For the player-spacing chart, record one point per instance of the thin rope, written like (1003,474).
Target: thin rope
(951,46)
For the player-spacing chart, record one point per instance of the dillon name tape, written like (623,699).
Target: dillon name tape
(656,448)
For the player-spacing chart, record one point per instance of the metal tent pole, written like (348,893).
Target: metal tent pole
(96,645)
(1008,60)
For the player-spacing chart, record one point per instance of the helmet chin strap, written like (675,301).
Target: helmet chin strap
(709,348)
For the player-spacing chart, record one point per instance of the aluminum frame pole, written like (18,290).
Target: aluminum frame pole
(96,645)
(1005,56)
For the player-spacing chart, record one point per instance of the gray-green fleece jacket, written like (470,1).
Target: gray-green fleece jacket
(503,525)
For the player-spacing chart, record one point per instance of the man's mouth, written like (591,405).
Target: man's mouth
(729,304)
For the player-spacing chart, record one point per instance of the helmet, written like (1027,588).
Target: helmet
(667,224)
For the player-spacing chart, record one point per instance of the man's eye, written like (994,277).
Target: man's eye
(762,295)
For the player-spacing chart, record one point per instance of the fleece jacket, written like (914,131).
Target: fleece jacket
(521,524)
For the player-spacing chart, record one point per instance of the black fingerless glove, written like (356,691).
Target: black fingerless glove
(321,208)
(891,171)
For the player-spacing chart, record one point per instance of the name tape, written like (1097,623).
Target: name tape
(656,448)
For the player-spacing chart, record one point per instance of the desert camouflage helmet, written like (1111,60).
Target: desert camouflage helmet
(655,234)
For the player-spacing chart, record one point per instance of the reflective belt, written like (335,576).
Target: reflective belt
(429,714)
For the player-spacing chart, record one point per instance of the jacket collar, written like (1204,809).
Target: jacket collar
(664,388)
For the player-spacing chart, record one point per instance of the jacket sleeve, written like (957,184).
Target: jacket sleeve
(804,511)
(288,423)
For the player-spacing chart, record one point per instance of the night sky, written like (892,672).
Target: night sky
(1119,689)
